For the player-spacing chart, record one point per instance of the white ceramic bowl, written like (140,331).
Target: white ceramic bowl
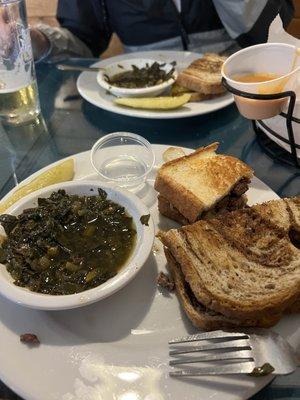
(143,246)
(125,65)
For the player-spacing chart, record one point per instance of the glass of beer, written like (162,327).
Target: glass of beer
(19,100)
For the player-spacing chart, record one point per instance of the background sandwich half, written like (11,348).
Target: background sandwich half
(202,79)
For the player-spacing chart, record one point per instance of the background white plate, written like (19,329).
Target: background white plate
(91,91)
(116,348)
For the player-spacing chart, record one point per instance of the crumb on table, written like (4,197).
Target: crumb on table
(165,282)
(29,338)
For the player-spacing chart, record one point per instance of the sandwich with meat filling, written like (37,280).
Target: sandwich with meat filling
(240,269)
(202,185)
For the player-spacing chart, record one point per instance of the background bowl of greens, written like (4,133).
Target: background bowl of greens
(137,77)
(73,244)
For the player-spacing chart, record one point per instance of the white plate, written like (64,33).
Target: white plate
(117,348)
(90,90)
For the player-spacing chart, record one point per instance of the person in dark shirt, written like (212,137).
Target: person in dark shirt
(219,26)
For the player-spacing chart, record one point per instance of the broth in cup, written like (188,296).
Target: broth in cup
(263,69)
(255,77)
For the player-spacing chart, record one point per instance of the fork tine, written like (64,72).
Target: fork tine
(238,368)
(232,355)
(235,345)
(209,335)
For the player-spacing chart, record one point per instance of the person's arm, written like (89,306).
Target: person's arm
(81,33)
(41,45)
(248,21)
(52,42)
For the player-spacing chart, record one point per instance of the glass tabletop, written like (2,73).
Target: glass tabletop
(70,125)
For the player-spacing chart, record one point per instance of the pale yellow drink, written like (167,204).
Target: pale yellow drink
(19,100)
(21,105)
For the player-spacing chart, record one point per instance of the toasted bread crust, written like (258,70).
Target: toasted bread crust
(243,266)
(165,209)
(214,175)
(190,80)
(211,148)
(203,75)
(203,318)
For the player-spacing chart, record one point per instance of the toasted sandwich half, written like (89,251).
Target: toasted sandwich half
(241,269)
(178,90)
(203,75)
(202,185)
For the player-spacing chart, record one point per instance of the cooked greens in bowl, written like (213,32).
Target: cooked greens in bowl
(137,77)
(119,208)
(68,244)
(145,76)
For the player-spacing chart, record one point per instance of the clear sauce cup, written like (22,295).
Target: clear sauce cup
(123,158)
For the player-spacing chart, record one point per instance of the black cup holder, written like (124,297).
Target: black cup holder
(272,149)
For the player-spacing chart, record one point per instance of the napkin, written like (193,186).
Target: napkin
(277,34)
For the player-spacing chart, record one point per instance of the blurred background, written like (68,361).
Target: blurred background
(294,27)
(45,10)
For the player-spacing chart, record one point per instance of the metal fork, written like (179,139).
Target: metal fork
(66,67)
(257,352)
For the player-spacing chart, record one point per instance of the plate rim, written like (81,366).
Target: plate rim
(135,113)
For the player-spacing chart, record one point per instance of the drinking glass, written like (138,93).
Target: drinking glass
(19,100)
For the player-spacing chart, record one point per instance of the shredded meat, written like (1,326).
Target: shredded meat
(165,282)
(241,187)
(233,201)
(29,338)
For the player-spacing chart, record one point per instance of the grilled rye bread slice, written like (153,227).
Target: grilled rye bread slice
(202,317)
(245,264)
(203,75)
(195,183)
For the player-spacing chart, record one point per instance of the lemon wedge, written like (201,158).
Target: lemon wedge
(154,103)
(60,173)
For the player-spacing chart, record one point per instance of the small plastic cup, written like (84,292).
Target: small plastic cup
(123,158)
(274,58)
